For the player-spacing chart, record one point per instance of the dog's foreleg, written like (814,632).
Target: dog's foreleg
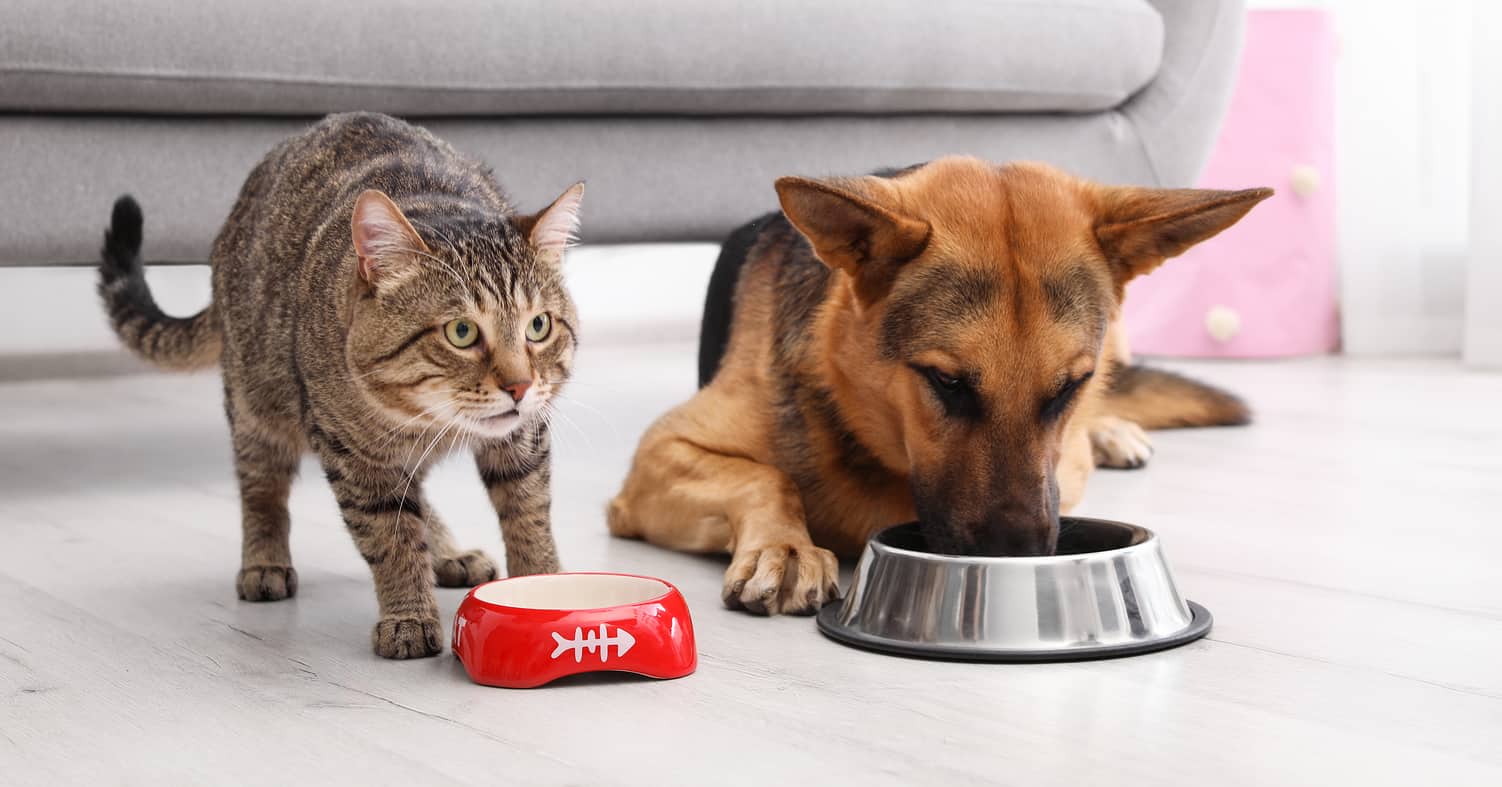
(683,496)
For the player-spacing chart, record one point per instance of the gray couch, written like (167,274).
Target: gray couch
(679,113)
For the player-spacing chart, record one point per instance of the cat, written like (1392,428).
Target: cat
(376,300)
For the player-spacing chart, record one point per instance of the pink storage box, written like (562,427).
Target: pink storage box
(1267,286)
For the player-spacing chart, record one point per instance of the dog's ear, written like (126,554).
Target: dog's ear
(854,228)
(1139,228)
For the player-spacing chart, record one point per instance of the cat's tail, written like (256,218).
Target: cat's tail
(177,343)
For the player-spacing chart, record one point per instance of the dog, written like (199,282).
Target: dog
(940,343)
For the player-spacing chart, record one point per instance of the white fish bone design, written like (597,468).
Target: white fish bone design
(592,640)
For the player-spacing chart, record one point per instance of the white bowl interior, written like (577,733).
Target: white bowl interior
(571,591)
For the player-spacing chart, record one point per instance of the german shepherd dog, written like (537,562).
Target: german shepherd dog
(940,343)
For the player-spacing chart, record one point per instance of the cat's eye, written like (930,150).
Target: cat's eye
(540,327)
(461,332)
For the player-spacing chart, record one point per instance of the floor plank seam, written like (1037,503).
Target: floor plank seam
(445,719)
(1475,613)
(1482,693)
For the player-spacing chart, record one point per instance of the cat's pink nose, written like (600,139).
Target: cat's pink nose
(517,389)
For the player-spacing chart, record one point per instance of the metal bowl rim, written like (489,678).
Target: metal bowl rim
(1200,623)
(876,544)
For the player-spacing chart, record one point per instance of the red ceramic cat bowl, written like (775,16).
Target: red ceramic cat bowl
(527,631)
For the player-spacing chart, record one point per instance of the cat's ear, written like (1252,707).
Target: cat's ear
(557,226)
(384,240)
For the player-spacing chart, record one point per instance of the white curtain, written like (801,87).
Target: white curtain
(1403,151)
(1483,328)
(1403,170)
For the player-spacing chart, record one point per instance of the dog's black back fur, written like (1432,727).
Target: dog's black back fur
(719,302)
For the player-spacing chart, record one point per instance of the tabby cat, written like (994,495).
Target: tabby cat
(375,300)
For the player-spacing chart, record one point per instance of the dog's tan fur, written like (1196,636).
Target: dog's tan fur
(832,413)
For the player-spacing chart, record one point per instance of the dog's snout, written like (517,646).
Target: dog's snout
(978,509)
(1025,540)
(1014,533)
(997,536)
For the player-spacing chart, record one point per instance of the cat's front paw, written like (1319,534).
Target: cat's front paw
(407,637)
(464,570)
(266,583)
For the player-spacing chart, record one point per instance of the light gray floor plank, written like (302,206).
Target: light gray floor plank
(1346,544)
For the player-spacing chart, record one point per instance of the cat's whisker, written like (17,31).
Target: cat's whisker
(569,445)
(391,435)
(406,461)
(433,228)
(592,410)
(547,424)
(576,381)
(378,370)
(418,467)
(458,279)
(576,400)
(446,239)
(412,450)
(466,438)
(560,414)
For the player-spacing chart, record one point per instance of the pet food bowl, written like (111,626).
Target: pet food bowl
(1106,592)
(527,631)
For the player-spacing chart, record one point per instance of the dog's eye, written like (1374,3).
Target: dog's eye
(1059,402)
(944,381)
(953,392)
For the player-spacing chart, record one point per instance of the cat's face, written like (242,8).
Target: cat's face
(465,328)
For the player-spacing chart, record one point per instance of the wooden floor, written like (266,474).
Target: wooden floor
(1348,545)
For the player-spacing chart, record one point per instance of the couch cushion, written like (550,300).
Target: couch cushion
(484,57)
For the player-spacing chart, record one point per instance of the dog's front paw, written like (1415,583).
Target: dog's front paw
(407,637)
(1117,442)
(464,570)
(787,579)
(266,583)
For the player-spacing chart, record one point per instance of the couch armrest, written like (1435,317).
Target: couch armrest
(1178,115)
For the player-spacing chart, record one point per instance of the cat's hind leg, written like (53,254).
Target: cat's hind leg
(265,464)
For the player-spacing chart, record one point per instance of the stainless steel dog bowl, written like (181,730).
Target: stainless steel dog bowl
(1106,592)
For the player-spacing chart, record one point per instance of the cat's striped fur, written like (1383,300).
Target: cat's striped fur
(349,250)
